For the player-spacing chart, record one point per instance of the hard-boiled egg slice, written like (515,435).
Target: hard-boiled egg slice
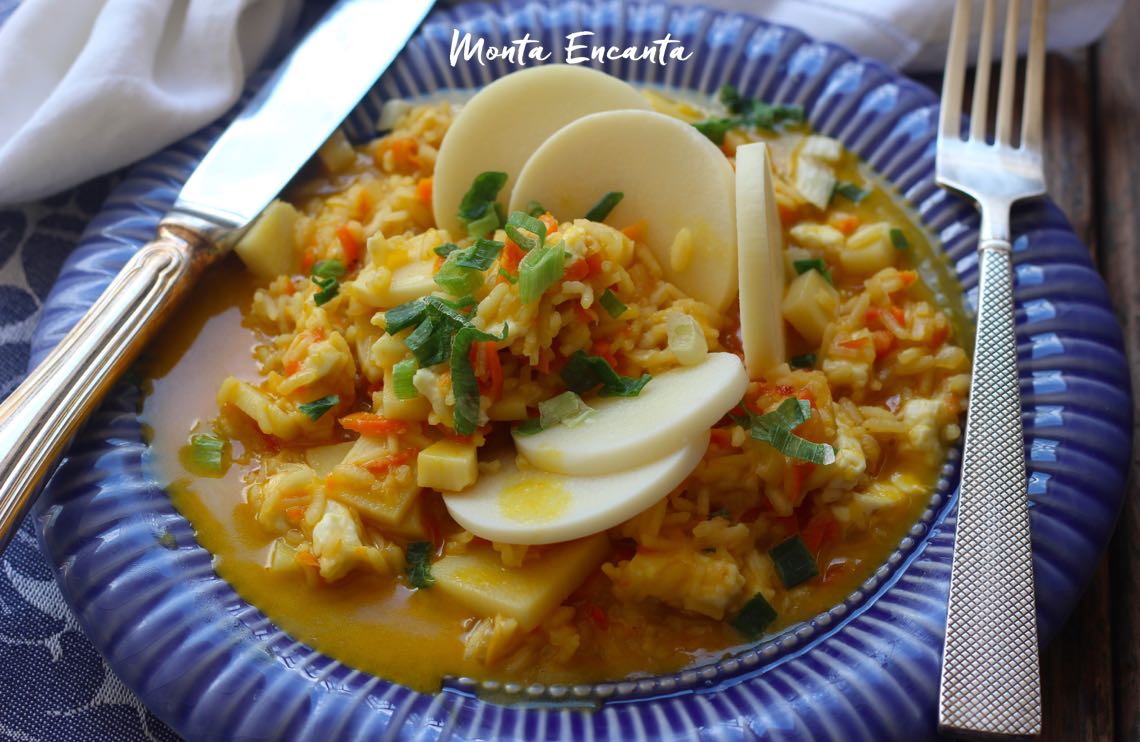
(760,250)
(623,432)
(531,506)
(671,176)
(506,121)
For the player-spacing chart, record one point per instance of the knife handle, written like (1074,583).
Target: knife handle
(40,417)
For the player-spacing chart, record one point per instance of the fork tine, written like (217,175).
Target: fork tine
(978,111)
(954,79)
(1004,131)
(1031,112)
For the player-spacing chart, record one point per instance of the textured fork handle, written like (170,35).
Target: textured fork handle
(39,418)
(990,678)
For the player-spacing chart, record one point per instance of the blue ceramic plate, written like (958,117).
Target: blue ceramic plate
(214,666)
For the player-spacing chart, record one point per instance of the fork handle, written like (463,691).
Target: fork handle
(991,682)
(39,418)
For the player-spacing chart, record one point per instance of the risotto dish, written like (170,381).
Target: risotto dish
(570,382)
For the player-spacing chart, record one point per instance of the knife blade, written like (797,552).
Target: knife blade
(297,109)
(285,122)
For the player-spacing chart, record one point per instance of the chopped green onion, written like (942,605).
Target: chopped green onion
(430,342)
(529,427)
(612,304)
(567,408)
(520,221)
(812,264)
(851,192)
(477,209)
(418,556)
(328,289)
(583,373)
(599,211)
(402,374)
(539,270)
(445,249)
(452,312)
(510,279)
(775,428)
(756,615)
(405,315)
(807,360)
(463,383)
(479,256)
(721,513)
(328,269)
(898,239)
(794,563)
(318,407)
(206,452)
(534,208)
(458,280)
(715,129)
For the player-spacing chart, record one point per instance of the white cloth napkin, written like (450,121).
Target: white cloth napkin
(87,86)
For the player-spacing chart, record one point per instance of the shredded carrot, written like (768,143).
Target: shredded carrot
(484,357)
(437,263)
(855,342)
(794,476)
(637,230)
(595,260)
(871,315)
(550,222)
(295,513)
(939,336)
(405,153)
(898,314)
(821,529)
(511,256)
(721,437)
(307,559)
(884,341)
(907,277)
(384,463)
(423,190)
(350,243)
(586,315)
(363,203)
(308,260)
(845,223)
(597,615)
(368,423)
(292,367)
(604,349)
(576,271)
(545,358)
(787,213)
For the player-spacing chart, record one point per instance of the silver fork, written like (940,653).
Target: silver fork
(991,681)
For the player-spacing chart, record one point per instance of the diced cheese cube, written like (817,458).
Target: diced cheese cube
(810,304)
(478,579)
(416,408)
(389,350)
(821,147)
(268,248)
(447,465)
(336,153)
(869,250)
(410,281)
(815,181)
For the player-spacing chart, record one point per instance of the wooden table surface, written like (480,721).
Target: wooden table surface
(1091,670)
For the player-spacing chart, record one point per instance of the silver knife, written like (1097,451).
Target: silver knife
(286,121)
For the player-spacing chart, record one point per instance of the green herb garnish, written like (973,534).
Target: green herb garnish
(721,513)
(479,256)
(599,211)
(520,221)
(794,563)
(534,208)
(206,452)
(850,191)
(807,360)
(812,264)
(405,315)
(430,342)
(898,239)
(463,271)
(529,427)
(583,373)
(509,278)
(327,289)
(747,112)
(613,305)
(318,407)
(402,374)
(477,209)
(463,383)
(539,270)
(567,408)
(756,615)
(418,556)
(328,269)
(445,249)
(716,129)
(775,428)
